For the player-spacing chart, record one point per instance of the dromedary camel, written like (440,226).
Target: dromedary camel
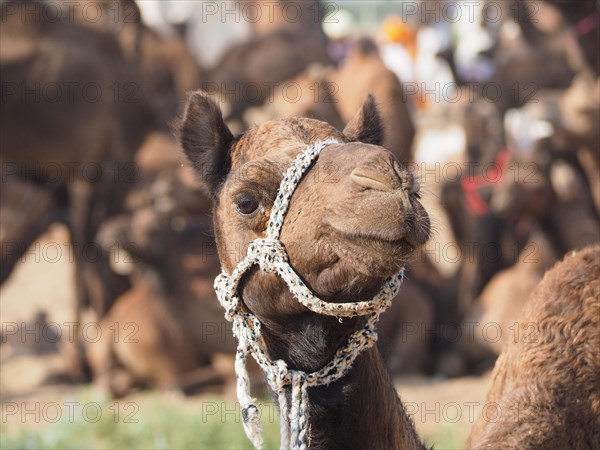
(171,313)
(364,71)
(344,239)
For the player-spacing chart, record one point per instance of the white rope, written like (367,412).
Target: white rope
(270,255)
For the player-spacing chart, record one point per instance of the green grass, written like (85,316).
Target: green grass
(151,422)
(447,437)
(154,421)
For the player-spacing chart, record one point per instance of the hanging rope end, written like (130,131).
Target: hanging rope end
(251,418)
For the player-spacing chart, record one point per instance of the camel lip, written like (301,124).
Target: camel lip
(397,237)
(399,242)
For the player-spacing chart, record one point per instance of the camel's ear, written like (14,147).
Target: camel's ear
(206,140)
(366,126)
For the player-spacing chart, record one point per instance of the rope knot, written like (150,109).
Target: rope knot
(280,375)
(266,253)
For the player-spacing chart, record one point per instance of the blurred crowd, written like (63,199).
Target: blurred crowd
(494,105)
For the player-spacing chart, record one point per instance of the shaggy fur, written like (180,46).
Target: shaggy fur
(546,382)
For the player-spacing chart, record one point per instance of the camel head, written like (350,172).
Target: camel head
(354,219)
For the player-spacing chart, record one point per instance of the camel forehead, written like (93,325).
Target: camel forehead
(281,138)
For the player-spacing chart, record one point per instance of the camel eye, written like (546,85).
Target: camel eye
(246,204)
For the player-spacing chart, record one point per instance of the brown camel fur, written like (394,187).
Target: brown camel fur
(343,238)
(502,299)
(545,383)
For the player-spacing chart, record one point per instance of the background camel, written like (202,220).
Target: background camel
(84,140)
(498,307)
(167,249)
(279,50)
(83,151)
(26,211)
(546,380)
(167,69)
(178,325)
(334,94)
(364,71)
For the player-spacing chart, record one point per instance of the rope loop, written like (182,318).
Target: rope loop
(226,295)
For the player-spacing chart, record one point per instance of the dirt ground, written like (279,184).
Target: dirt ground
(42,282)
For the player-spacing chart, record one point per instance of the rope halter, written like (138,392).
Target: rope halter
(270,255)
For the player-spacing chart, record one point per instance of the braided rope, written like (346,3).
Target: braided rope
(270,255)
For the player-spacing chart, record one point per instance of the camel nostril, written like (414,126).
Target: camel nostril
(414,186)
(371,180)
(409,183)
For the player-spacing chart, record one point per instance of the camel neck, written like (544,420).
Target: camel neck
(362,409)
